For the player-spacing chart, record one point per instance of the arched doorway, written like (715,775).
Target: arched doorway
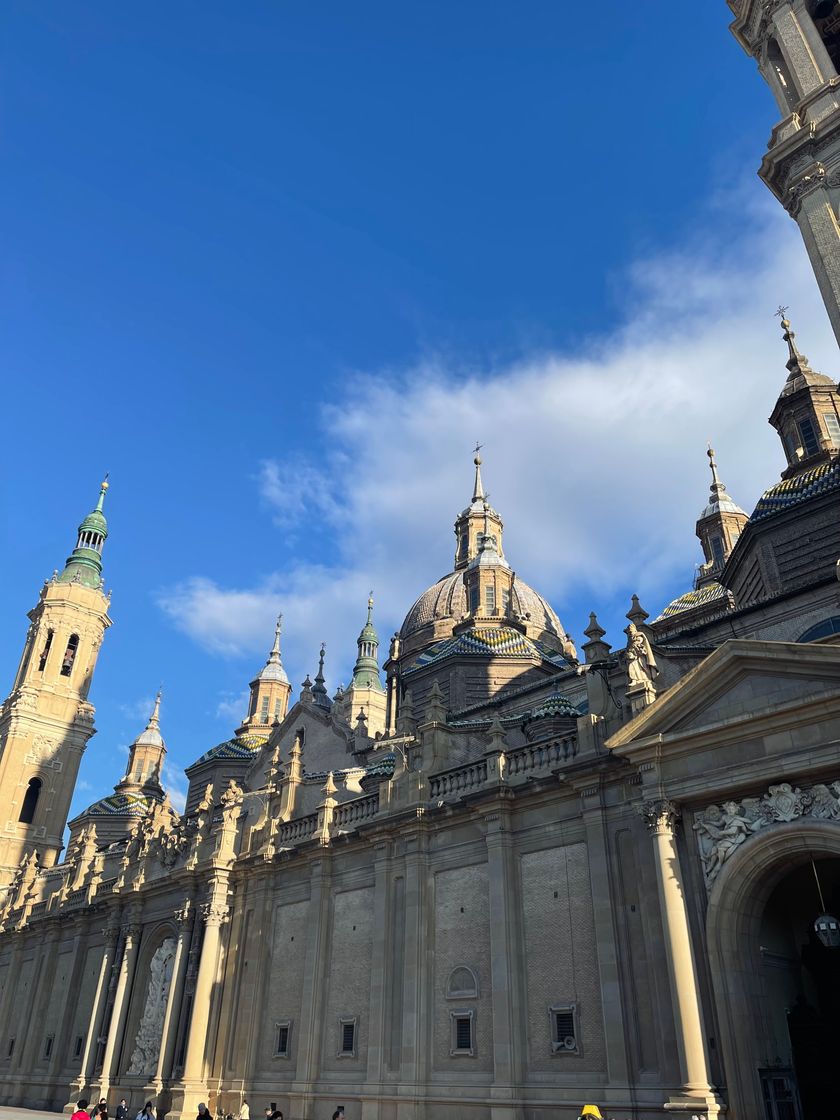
(777,988)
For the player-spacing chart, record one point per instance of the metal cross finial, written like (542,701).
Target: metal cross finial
(781,311)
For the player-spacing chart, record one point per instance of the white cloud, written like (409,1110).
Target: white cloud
(594,456)
(137,711)
(232,706)
(175,785)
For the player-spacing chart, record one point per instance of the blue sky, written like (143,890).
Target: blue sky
(277,266)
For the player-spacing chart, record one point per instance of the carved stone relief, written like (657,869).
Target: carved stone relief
(722,829)
(144,1059)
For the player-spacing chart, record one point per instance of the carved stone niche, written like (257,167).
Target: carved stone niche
(144,1058)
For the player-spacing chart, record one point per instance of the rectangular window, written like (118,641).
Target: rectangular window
(563,1029)
(505,600)
(491,598)
(809,436)
(717,550)
(10,1049)
(48,1045)
(264,712)
(461,1039)
(347,1038)
(77,1048)
(281,1039)
(832,426)
(474,599)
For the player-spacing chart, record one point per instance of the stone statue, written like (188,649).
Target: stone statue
(144,1059)
(232,796)
(719,833)
(641,664)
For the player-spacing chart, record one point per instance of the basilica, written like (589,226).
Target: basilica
(496,876)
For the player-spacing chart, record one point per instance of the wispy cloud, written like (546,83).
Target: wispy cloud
(175,785)
(137,711)
(232,706)
(594,456)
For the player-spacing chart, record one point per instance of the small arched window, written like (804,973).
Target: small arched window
(69,655)
(45,652)
(462,984)
(821,630)
(30,801)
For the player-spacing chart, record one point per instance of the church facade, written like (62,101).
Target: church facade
(496,876)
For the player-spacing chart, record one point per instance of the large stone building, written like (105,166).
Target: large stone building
(501,881)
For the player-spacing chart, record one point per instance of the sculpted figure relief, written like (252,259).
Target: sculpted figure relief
(147,1043)
(721,830)
(641,664)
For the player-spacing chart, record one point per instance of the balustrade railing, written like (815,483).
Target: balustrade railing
(359,809)
(300,829)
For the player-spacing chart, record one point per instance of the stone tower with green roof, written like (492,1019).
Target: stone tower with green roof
(366,692)
(47,720)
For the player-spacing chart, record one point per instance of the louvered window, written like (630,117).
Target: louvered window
(564,1029)
(347,1038)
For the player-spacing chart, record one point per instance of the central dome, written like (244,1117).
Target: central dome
(442,606)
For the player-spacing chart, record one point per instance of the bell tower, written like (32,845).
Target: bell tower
(796,44)
(46,721)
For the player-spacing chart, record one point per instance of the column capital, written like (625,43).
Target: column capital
(184,916)
(214,914)
(660,815)
(111,932)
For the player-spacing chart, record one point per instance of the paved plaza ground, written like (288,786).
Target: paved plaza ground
(27,1114)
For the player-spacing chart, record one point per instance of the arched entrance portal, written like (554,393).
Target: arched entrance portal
(801,978)
(777,988)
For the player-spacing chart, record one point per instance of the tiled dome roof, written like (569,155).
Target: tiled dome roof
(447,600)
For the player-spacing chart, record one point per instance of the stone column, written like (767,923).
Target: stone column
(97,1014)
(810,204)
(68,1007)
(184,918)
(312,990)
(28,1053)
(505,937)
(378,981)
(214,916)
(419,922)
(120,1010)
(660,817)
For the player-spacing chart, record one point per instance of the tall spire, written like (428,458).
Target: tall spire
(319,689)
(478,488)
(797,363)
(154,718)
(273,670)
(84,564)
(366,669)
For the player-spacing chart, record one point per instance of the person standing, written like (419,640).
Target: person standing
(244,1111)
(122,1111)
(102,1109)
(81,1112)
(339,1112)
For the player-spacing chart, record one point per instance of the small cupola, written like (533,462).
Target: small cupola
(478,518)
(84,564)
(270,691)
(807,413)
(718,527)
